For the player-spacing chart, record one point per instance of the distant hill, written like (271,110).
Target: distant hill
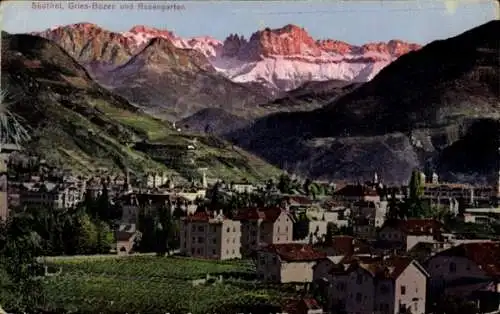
(407,116)
(76,123)
(311,95)
(212,121)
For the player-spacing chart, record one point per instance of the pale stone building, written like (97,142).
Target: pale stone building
(287,262)
(210,236)
(50,195)
(264,226)
(409,232)
(384,286)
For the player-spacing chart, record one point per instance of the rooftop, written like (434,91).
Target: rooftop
(294,252)
(416,226)
(270,214)
(390,268)
(484,254)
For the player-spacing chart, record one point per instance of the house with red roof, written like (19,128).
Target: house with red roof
(340,248)
(262,226)
(210,236)
(125,239)
(287,262)
(378,285)
(407,233)
(469,270)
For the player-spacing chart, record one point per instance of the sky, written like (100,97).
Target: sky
(356,22)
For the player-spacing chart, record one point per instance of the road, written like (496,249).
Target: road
(94,257)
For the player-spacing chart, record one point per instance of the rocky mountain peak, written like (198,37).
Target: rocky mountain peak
(335,46)
(232,45)
(286,41)
(88,42)
(150,32)
(162,51)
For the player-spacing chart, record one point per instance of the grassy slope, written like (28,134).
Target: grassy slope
(154,285)
(78,124)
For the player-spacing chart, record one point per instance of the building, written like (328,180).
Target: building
(264,226)
(132,203)
(481,215)
(444,193)
(125,239)
(331,211)
(287,262)
(469,270)
(340,250)
(242,187)
(155,180)
(375,211)
(364,228)
(210,236)
(407,233)
(49,195)
(383,286)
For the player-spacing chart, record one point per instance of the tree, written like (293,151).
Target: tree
(103,204)
(178,211)
(147,226)
(217,199)
(105,237)
(413,203)
(306,186)
(416,186)
(87,235)
(164,229)
(285,184)
(20,245)
(314,191)
(300,228)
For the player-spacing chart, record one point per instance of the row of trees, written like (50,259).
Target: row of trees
(159,229)
(412,205)
(287,185)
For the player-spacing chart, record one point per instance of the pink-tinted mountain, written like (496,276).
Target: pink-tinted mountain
(269,63)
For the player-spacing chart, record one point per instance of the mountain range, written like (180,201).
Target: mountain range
(246,72)
(76,123)
(414,113)
(319,108)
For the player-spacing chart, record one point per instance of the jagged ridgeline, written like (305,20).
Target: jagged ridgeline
(75,123)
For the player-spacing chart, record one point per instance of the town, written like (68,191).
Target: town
(251,157)
(427,247)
